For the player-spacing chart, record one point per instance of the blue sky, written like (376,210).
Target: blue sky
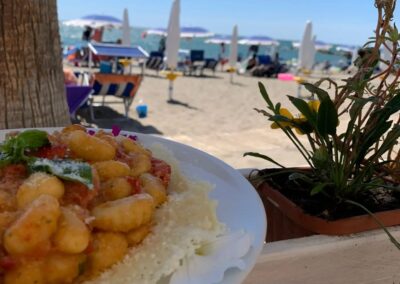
(334,21)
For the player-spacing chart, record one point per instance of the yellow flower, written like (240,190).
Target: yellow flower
(282,124)
(314,105)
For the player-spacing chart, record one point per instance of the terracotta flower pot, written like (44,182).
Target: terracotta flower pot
(287,221)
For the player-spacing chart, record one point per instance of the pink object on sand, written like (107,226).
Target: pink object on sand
(285,76)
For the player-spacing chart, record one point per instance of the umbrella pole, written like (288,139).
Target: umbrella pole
(298,90)
(231,77)
(170,90)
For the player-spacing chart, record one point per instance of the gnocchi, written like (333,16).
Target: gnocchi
(140,164)
(137,235)
(153,186)
(59,229)
(63,268)
(34,227)
(108,249)
(116,188)
(111,169)
(72,235)
(36,185)
(26,273)
(108,216)
(90,147)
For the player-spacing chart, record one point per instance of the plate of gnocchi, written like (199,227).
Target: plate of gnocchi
(85,206)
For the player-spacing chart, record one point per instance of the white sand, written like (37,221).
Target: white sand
(215,116)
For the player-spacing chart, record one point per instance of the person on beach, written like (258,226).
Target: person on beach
(161,45)
(87,33)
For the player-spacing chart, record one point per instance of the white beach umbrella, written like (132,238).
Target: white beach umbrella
(172,44)
(126,33)
(307,49)
(219,39)
(95,21)
(233,51)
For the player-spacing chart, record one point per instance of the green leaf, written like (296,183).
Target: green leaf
(300,176)
(31,139)
(303,107)
(318,188)
(261,156)
(327,119)
(322,94)
(65,169)
(264,94)
(394,33)
(371,139)
(12,150)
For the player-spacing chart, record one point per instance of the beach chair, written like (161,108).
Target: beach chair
(155,61)
(77,96)
(210,64)
(196,61)
(122,87)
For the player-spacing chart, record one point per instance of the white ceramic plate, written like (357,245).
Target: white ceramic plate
(239,206)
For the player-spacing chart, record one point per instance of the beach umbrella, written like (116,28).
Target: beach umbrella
(195,32)
(233,52)
(318,45)
(343,48)
(218,39)
(172,45)
(307,49)
(185,32)
(258,40)
(95,21)
(386,55)
(126,32)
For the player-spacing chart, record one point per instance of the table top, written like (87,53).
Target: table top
(362,258)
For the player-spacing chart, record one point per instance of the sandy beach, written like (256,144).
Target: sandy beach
(210,114)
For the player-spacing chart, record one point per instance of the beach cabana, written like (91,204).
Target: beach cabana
(95,21)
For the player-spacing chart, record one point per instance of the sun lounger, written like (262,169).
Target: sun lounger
(210,64)
(266,67)
(123,87)
(196,61)
(155,61)
(77,96)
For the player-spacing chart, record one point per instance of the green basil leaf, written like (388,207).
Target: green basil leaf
(65,169)
(31,139)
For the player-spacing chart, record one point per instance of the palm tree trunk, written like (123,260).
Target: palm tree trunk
(31,78)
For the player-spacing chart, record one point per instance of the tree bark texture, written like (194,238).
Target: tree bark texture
(32,92)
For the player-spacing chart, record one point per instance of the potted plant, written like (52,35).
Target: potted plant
(352,180)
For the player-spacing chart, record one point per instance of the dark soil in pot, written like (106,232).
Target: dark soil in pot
(322,206)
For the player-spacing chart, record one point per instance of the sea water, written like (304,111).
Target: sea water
(71,36)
